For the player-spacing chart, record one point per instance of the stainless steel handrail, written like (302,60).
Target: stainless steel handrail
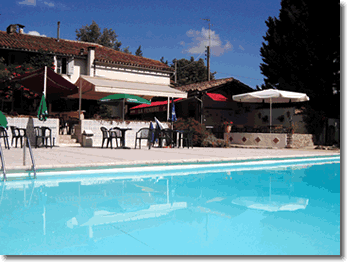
(31,156)
(2,163)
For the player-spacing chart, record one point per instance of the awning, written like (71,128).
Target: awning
(158,106)
(96,88)
(56,84)
(217,97)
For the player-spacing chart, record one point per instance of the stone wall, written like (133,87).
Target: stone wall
(302,140)
(95,125)
(22,122)
(270,140)
(257,139)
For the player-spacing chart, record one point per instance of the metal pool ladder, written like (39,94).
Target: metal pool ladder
(31,156)
(2,163)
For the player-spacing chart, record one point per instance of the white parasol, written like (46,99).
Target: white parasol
(271,96)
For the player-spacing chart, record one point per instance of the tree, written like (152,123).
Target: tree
(301,52)
(139,52)
(21,95)
(126,50)
(164,62)
(190,71)
(92,34)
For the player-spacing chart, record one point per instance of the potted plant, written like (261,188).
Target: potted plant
(228,126)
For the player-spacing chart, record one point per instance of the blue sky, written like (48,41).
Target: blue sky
(172,29)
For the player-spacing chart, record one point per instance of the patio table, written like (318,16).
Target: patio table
(179,134)
(123,138)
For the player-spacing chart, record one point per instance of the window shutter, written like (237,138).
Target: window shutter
(59,65)
(70,66)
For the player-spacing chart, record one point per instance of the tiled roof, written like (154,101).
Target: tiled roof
(25,42)
(201,86)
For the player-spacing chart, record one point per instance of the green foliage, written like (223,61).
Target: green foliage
(212,141)
(126,50)
(92,34)
(7,72)
(162,60)
(39,60)
(139,52)
(105,111)
(301,52)
(314,121)
(191,71)
(199,132)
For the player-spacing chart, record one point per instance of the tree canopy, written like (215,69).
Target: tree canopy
(301,52)
(189,71)
(139,52)
(92,34)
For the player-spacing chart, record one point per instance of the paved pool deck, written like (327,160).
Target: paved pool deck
(70,157)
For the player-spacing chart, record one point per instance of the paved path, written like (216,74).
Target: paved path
(59,157)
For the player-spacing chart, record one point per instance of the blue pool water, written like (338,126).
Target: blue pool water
(273,207)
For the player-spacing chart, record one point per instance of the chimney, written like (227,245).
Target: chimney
(13,28)
(58,28)
(90,60)
(20,30)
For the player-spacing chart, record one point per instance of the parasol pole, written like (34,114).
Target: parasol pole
(270,115)
(45,80)
(123,108)
(168,109)
(80,98)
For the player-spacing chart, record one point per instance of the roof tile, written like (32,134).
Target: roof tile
(25,42)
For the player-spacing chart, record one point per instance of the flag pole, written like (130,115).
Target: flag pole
(168,109)
(45,80)
(80,98)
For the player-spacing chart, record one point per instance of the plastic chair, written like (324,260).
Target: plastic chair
(44,133)
(47,134)
(63,125)
(187,138)
(144,134)
(106,136)
(17,134)
(4,135)
(169,135)
(115,133)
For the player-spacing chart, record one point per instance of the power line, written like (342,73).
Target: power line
(192,61)
(239,76)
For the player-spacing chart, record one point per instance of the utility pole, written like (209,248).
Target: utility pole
(208,52)
(208,62)
(175,63)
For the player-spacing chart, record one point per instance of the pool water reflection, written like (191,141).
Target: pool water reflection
(281,211)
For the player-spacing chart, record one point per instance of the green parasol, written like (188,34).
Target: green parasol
(129,98)
(3,120)
(126,97)
(42,113)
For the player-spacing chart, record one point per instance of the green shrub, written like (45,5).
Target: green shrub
(199,132)
(212,141)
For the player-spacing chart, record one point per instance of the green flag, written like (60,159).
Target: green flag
(42,113)
(3,120)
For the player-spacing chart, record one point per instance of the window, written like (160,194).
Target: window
(65,65)
(61,65)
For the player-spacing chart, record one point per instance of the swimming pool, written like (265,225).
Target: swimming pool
(264,207)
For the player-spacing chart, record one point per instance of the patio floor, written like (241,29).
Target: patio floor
(59,157)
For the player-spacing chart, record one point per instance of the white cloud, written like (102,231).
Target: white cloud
(49,4)
(200,39)
(35,33)
(28,2)
(41,3)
